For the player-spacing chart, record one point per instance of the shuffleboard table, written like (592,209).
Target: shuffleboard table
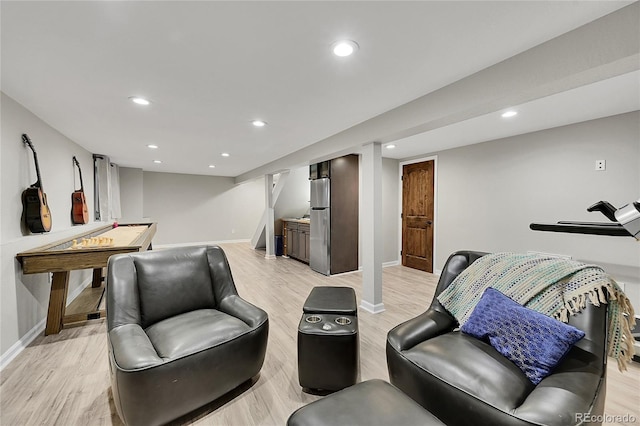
(90,250)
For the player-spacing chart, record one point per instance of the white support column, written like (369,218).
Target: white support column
(259,234)
(269,231)
(371,228)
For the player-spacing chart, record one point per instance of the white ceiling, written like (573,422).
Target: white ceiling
(605,98)
(211,67)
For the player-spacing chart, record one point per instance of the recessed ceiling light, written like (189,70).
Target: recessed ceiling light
(509,114)
(259,123)
(152,146)
(391,146)
(225,154)
(211,166)
(157,161)
(139,101)
(344,48)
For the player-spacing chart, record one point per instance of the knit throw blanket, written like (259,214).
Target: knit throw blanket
(555,287)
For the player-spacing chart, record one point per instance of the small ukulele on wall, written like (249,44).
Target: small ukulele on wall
(79,210)
(35,210)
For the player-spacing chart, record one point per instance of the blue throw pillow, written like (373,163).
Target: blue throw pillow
(533,341)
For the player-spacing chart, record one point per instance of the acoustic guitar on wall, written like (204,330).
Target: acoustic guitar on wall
(79,210)
(35,210)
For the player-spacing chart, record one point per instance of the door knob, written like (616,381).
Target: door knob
(429,222)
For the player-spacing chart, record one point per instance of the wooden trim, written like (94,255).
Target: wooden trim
(97,277)
(84,317)
(72,260)
(44,259)
(44,249)
(56,258)
(57,302)
(143,241)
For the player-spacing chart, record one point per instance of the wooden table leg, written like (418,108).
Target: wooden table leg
(57,302)
(97,278)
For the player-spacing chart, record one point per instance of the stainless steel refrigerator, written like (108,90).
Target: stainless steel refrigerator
(320,241)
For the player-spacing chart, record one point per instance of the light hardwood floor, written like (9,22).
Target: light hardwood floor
(64,379)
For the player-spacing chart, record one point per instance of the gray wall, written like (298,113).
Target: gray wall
(195,208)
(181,204)
(24,298)
(489,193)
(390,209)
(294,198)
(131,190)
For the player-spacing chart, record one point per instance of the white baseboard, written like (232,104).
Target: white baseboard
(201,243)
(19,346)
(371,308)
(384,265)
(31,335)
(345,273)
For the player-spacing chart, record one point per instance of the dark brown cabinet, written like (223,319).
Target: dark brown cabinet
(320,170)
(290,235)
(304,237)
(334,202)
(297,240)
(344,213)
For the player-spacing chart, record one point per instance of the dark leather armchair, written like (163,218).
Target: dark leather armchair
(179,336)
(464,381)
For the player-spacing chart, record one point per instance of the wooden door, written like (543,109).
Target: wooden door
(417,215)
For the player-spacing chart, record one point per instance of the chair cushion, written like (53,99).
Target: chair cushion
(533,341)
(474,367)
(370,403)
(331,300)
(193,332)
(172,282)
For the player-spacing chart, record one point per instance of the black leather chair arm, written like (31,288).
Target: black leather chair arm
(131,348)
(571,393)
(236,306)
(425,326)
(123,297)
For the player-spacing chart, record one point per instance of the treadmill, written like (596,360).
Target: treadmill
(624,222)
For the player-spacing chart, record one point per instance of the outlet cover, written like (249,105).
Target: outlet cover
(601,165)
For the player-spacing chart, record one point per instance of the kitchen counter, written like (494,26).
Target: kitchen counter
(296,220)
